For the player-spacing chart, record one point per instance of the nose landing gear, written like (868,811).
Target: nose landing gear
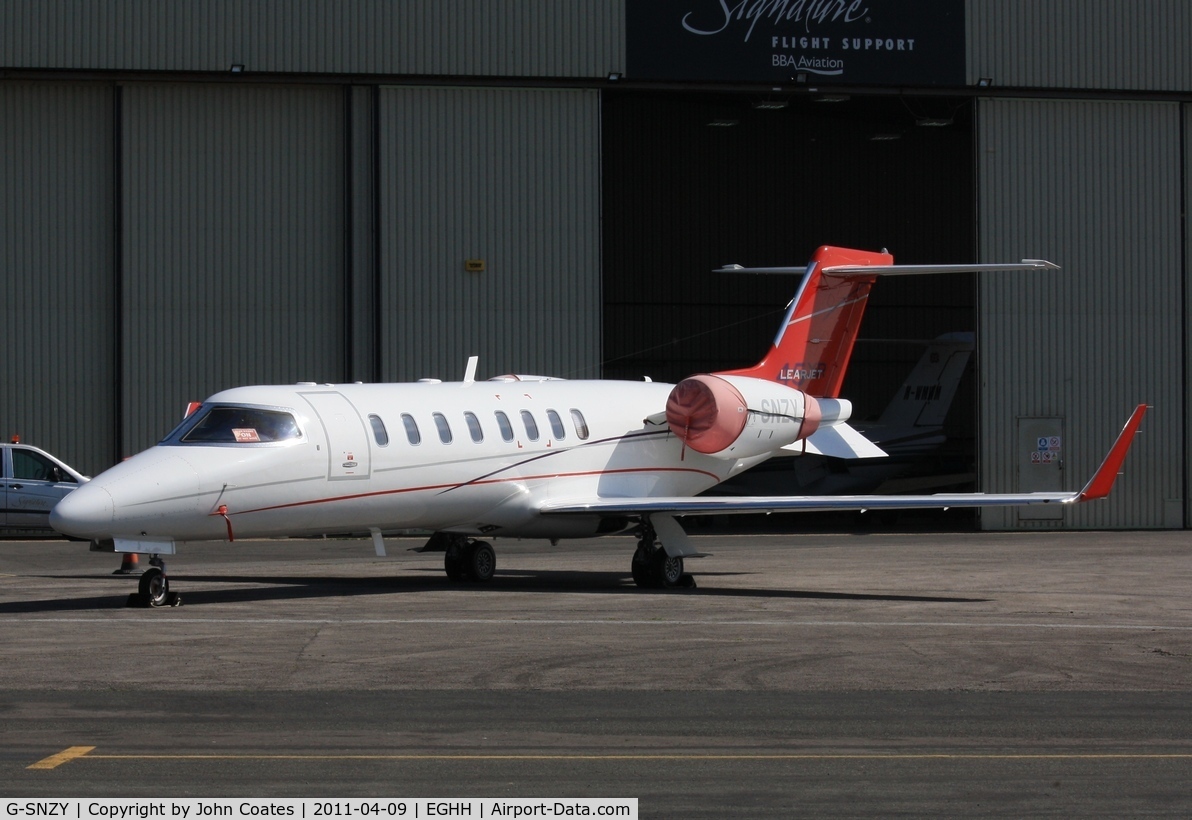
(153,588)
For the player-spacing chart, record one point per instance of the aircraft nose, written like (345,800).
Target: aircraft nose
(84,513)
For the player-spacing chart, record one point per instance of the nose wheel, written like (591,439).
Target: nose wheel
(153,588)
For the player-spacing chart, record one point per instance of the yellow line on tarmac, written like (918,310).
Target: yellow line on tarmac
(65,756)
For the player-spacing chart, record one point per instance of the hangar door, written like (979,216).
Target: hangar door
(231,243)
(1088,185)
(56,257)
(489,228)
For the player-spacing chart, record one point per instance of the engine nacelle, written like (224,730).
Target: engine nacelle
(739,416)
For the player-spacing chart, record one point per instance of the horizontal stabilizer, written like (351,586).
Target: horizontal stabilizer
(899,270)
(907,270)
(837,441)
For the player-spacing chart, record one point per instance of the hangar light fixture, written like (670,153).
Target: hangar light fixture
(770,105)
(933,122)
(831,98)
(237,68)
(614,76)
(887,136)
(985,82)
(722,123)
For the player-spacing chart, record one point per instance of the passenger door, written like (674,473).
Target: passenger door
(347,439)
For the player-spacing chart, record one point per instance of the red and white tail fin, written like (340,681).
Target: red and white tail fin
(815,340)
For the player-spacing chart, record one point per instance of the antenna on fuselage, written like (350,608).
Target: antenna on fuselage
(470,370)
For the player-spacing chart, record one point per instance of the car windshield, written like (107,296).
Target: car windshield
(218,424)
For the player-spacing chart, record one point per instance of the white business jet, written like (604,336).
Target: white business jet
(517,456)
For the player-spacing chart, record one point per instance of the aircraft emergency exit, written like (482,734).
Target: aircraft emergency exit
(518,456)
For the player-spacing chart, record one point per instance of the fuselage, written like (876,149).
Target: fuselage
(469,457)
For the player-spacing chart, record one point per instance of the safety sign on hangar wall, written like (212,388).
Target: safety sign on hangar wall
(821,42)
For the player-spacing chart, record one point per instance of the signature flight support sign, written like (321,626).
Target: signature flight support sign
(853,42)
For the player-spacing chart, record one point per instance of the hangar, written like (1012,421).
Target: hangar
(200,194)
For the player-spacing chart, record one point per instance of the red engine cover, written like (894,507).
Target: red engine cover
(707,413)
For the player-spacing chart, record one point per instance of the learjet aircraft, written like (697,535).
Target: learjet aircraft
(518,456)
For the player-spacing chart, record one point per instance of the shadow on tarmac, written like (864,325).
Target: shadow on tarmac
(283,588)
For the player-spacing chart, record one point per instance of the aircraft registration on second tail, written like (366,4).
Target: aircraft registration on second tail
(519,456)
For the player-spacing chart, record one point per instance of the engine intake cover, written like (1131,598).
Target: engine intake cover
(739,416)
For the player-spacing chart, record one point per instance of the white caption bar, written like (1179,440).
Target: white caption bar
(310,808)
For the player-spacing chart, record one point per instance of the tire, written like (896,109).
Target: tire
(481,561)
(154,587)
(453,563)
(668,571)
(640,568)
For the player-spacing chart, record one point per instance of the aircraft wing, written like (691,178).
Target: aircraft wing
(1097,487)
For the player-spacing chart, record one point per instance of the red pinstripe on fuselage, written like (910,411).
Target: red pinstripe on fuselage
(493,486)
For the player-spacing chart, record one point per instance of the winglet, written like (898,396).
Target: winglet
(1102,481)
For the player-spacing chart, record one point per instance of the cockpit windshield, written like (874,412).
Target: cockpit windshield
(224,424)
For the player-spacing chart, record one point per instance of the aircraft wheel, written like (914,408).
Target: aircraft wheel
(154,587)
(453,562)
(669,570)
(481,561)
(640,568)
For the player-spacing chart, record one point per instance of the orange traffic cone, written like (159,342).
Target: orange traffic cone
(128,564)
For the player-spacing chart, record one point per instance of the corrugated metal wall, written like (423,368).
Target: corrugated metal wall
(361,218)
(529,38)
(508,177)
(1094,187)
(56,263)
(1103,44)
(1184,453)
(232,243)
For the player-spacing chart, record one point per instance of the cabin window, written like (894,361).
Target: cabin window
(474,427)
(505,425)
(237,425)
(531,426)
(556,424)
(379,431)
(581,426)
(411,426)
(444,427)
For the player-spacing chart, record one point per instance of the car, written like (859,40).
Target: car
(31,482)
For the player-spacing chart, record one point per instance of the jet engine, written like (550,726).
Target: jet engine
(740,416)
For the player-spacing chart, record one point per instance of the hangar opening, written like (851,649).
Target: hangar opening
(694,181)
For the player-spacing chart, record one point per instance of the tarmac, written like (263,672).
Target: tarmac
(850,674)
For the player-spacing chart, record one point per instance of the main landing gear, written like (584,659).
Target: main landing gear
(467,559)
(153,589)
(652,568)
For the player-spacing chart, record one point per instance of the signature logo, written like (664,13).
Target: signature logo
(746,14)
